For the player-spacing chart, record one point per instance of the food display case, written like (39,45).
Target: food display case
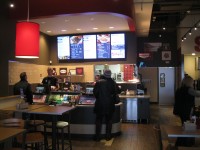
(61,98)
(87,100)
(39,98)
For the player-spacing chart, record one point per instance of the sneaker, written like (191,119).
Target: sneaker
(97,138)
(108,137)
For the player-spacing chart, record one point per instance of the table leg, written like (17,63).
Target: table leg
(54,121)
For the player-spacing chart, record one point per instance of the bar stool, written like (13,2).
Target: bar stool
(61,126)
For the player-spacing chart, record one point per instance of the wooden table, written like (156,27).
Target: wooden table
(178,131)
(7,133)
(30,107)
(54,111)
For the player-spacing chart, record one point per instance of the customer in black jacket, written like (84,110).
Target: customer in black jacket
(25,87)
(184,104)
(105,91)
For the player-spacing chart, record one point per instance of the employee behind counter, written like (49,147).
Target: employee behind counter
(50,82)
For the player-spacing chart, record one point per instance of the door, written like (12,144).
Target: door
(166,85)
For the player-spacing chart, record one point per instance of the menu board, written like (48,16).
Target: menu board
(117,46)
(76,47)
(89,46)
(103,46)
(63,46)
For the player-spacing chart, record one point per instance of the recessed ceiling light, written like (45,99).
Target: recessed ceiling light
(160,35)
(78,29)
(48,31)
(193,54)
(94,28)
(67,20)
(91,19)
(11,5)
(63,30)
(111,27)
(43,22)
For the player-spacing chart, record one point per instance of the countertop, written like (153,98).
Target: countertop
(134,96)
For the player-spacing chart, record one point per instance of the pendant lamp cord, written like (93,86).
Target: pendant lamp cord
(28,12)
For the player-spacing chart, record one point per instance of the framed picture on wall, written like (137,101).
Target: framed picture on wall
(79,71)
(72,71)
(63,71)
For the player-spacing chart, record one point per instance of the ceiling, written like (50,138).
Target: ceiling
(169,14)
(71,17)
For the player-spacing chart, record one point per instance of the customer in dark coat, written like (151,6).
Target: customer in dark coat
(184,104)
(104,90)
(185,99)
(25,86)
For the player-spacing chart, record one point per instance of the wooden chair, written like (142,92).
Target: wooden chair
(161,144)
(34,140)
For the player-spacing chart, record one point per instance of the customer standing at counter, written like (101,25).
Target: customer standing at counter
(24,88)
(50,82)
(104,91)
(184,104)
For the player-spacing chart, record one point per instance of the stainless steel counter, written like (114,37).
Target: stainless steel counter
(134,96)
(135,108)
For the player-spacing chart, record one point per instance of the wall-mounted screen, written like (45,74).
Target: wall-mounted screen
(91,47)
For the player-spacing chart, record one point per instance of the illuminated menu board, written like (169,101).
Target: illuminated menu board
(117,46)
(103,46)
(91,46)
(63,47)
(76,47)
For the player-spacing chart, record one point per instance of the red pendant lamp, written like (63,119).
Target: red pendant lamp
(27,39)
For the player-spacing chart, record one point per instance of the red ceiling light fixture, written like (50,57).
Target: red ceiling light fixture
(27,39)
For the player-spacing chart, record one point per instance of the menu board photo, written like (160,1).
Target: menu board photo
(76,47)
(103,46)
(117,46)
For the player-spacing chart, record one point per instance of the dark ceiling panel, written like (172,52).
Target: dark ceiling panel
(41,8)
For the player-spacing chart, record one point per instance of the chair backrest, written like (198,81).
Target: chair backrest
(158,137)
(12,122)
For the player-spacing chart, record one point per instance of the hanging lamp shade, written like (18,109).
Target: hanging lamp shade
(27,40)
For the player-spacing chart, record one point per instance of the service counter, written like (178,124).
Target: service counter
(135,108)
(82,117)
(83,121)
(132,108)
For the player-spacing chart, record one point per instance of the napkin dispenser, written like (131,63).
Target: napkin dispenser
(189,126)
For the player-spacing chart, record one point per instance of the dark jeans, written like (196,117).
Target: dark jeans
(108,121)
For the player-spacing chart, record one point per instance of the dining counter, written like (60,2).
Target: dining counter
(7,133)
(179,131)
